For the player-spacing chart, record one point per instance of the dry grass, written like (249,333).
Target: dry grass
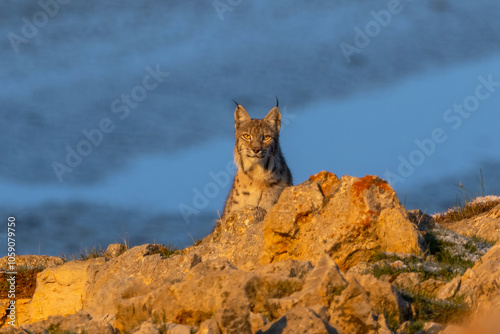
(469,204)
(85,255)
(469,210)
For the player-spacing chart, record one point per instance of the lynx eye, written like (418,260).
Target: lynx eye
(246,136)
(267,138)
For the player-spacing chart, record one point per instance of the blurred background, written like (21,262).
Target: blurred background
(117,120)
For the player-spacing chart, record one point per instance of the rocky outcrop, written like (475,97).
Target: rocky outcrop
(350,219)
(214,294)
(332,256)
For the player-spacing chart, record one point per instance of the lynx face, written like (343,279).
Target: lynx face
(257,140)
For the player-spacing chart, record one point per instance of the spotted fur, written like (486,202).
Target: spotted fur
(262,172)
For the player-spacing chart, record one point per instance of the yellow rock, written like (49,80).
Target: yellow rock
(60,291)
(350,219)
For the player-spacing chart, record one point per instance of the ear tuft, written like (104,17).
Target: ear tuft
(240,116)
(274,118)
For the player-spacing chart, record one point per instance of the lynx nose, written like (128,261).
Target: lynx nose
(256,149)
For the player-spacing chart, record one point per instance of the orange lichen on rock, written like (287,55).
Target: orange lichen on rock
(327,181)
(359,187)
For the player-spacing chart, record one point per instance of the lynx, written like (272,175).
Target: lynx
(262,172)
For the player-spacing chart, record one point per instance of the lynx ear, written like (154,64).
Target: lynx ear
(274,118)
(240,116)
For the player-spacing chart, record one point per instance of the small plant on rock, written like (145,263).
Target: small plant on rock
(165,251)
